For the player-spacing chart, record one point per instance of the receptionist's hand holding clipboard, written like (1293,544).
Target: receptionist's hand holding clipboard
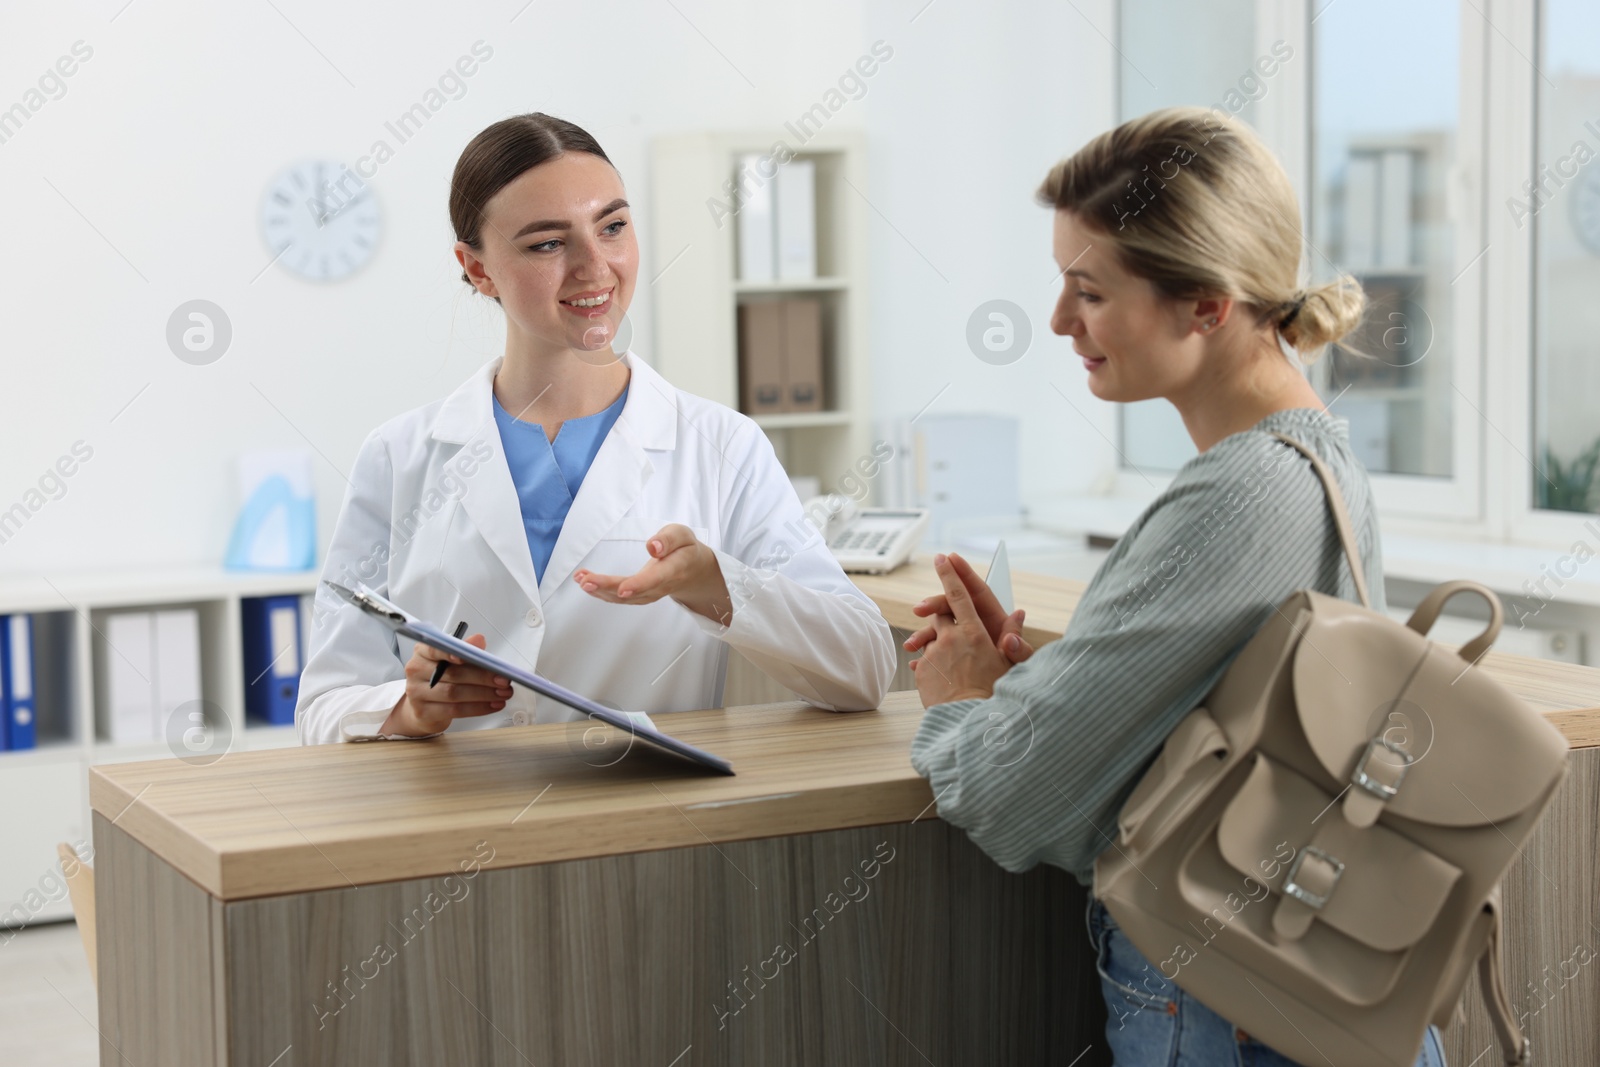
(406,624)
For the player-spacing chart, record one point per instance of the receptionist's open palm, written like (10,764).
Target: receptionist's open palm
(680,567)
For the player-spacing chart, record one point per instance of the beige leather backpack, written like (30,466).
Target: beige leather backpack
(1316,852)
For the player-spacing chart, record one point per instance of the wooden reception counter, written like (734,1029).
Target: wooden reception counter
(502,897)
(542,895)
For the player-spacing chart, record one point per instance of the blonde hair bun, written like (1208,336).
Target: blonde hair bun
(1190,199)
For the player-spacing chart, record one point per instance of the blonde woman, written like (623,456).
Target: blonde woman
(1178,236)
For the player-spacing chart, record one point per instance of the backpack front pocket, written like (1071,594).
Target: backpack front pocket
(1296,886)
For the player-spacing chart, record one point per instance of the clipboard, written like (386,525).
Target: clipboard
(403,622)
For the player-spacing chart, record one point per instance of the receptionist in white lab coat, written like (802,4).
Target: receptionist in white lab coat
(583,517)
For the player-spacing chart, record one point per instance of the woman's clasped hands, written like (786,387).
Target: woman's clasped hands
(971,641)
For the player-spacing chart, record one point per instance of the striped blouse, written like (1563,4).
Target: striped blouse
(1038,771)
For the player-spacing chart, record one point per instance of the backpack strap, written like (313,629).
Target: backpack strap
(1341,518)
(1513,1043)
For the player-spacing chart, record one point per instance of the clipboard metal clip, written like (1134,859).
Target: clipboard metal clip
(371,603)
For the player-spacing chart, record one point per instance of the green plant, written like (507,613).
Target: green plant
(1569,486)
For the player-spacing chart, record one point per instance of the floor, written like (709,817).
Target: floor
(47,999)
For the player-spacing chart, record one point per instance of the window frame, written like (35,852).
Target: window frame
(1514,319)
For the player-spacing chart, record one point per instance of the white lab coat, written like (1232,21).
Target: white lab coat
(431,520)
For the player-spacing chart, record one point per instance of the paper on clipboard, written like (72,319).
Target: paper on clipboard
(636,724)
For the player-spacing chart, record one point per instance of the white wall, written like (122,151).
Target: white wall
(977,105)
(138,189)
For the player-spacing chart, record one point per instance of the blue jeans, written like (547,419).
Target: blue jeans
(1153,1023)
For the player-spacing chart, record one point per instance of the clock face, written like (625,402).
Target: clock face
(1586,209)
(321,220)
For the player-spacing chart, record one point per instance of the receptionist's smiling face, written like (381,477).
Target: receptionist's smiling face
(1136,344)
(558,245)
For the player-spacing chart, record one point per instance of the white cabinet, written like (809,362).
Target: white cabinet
(44,791)
(45,801)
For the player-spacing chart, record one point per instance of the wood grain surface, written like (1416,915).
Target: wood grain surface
(161,959)
(880,945)
(289,820)
(1552,937)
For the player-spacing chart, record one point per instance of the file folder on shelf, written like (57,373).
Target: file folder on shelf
(795,209)
(757,227)
(16,678)
(802,354)
(272,656)
(5,682)
(151,671)
(130,658)
(177,671)
(761,357)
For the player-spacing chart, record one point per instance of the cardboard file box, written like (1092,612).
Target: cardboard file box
(761,358)
(780,356)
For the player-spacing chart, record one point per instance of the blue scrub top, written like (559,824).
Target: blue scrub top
(548,473)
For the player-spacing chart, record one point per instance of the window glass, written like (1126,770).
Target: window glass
(1384,115)
(1560,204)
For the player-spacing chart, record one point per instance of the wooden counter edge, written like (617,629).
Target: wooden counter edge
(304,868)
(187,854)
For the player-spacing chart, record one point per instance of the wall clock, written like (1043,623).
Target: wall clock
(322,219)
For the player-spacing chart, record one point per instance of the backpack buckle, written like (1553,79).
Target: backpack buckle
(1306,896)
(1380,789)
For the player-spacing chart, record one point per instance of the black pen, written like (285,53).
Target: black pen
(438,671)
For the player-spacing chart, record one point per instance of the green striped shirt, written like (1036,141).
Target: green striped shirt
(1038,772)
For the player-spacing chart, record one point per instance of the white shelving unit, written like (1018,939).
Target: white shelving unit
(698,291)
(44,791)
